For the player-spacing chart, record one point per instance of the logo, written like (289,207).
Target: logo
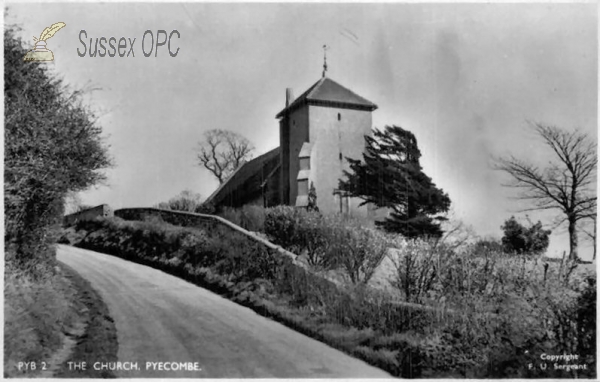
(123,47)
(40,52)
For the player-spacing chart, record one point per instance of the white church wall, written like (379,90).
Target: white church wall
(331,136)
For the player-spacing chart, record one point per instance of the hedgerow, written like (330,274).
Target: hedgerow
(52,149)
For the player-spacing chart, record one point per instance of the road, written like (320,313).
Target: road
(160,318)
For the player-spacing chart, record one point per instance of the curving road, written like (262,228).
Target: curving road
(160,318)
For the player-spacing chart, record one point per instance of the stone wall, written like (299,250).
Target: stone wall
(102,210)
(189,219)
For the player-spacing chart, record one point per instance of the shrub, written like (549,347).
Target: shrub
(192,248)
(507,305)
(312,238)
(244,259)
(280,225)
(52,147)
(418,267)
(186,201)
(205,208)
(328,242)
(586,323)
(486,246)
(249,217)
(520,239)
(358,250)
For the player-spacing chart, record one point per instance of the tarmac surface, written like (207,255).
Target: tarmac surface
(165,322)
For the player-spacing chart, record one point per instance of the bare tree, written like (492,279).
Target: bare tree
(566,184)
(222,152)
(457,234)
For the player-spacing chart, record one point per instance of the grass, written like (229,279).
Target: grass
(38,311)
(35,313)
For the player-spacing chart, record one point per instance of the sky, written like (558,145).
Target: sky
(464,78)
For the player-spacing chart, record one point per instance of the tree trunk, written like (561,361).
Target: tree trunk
(573,255)
(594,237)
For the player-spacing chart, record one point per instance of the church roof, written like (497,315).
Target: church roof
(327,92)
(261,168)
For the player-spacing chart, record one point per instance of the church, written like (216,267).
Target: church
(317,131)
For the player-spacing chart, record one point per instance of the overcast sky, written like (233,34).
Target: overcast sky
(463,78)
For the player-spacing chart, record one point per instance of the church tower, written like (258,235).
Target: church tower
(317,131)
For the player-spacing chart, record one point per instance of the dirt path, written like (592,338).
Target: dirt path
(160,318)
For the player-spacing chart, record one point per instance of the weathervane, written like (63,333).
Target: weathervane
(325,49)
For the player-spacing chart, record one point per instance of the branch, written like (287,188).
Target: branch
(557,187)
(528,177)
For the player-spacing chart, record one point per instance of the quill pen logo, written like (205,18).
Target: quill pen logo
(40,52)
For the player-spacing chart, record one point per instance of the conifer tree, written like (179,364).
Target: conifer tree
(390,176)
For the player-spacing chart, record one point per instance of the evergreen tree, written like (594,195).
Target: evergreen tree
(520,239)
(390,176)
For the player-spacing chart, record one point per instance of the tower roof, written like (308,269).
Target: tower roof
(327,92)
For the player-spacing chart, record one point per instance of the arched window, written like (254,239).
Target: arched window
(339,117)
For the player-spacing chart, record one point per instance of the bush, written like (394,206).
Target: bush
(313,239)
(418,268)
(186,201)
(486,246)
(357,249)
(52,147)
(243,259)
(586,323)
(506,305)
(228,253)
(280,225)
(249,217)
(297,230)
(205,208)
(520,239)
(328,242)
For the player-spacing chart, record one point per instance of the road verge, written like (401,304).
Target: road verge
(52,320)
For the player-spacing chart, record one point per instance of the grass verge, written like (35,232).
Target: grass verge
(36,311)
(41,315)
(98,343)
